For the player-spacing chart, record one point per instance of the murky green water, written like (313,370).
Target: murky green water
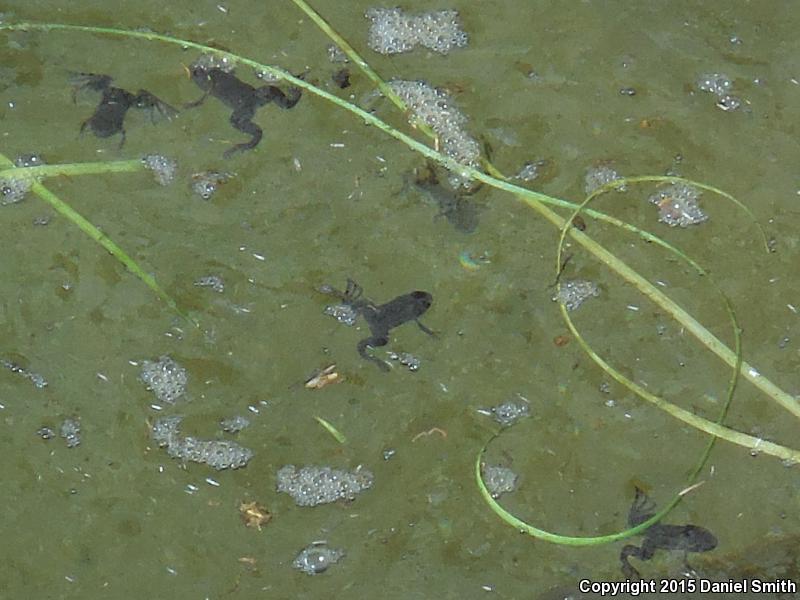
(111,518)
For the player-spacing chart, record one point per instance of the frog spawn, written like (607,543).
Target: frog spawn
(434,107)
(677,205)
(163,167)
(165,378)
(574,292)
(313,485)
(317,557)
(598,176)
(219,454)
(206,183)
(498,480)
(14,189)
(720,85)
(393,31)
(509,412)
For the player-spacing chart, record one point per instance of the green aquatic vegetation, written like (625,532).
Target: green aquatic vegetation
(545,206)
(34,174)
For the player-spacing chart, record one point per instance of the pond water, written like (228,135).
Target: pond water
(324,198)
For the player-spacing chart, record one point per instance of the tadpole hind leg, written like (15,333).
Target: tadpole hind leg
(91,81)
(353,291)
(241,121)
(154,105)
(373,343)
(628,570)
(276,95)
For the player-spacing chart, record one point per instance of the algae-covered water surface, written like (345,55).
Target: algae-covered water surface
(95,505)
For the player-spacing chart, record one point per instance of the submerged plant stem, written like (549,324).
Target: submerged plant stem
(73,169)
(98,236)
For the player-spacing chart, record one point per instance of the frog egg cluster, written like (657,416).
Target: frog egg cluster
(70,430)
(45,432)
(14,189)
(336,54)
(165,378)
(510,411)
(215,282)
(720,85)
(434,107)
(393,31)
(498,480)
(206,183)
(344,313)
(30,159)
(407,360)
(36,379)
(311,485)
(531,170)
(575,292)
(317,558)
(213,61)
(163,167)
(599,176)
(219,454)
(677,205)
(166,430)
(234,424)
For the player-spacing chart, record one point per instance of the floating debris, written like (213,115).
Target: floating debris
(165,378)
(254,514)
(344,313)
(574,292)
(316,558)
(36,379)
(509,412)
(335,433)
(720,85)
(219,454)
(406,359)
(313,485)
(70,430)
(498,480)
(163,168)
(393,31)
(341,78)
(473,262)
(206,183)
(677,205)
(599,176)
(322,377)
(435,108)
(234,424)
(214,282)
